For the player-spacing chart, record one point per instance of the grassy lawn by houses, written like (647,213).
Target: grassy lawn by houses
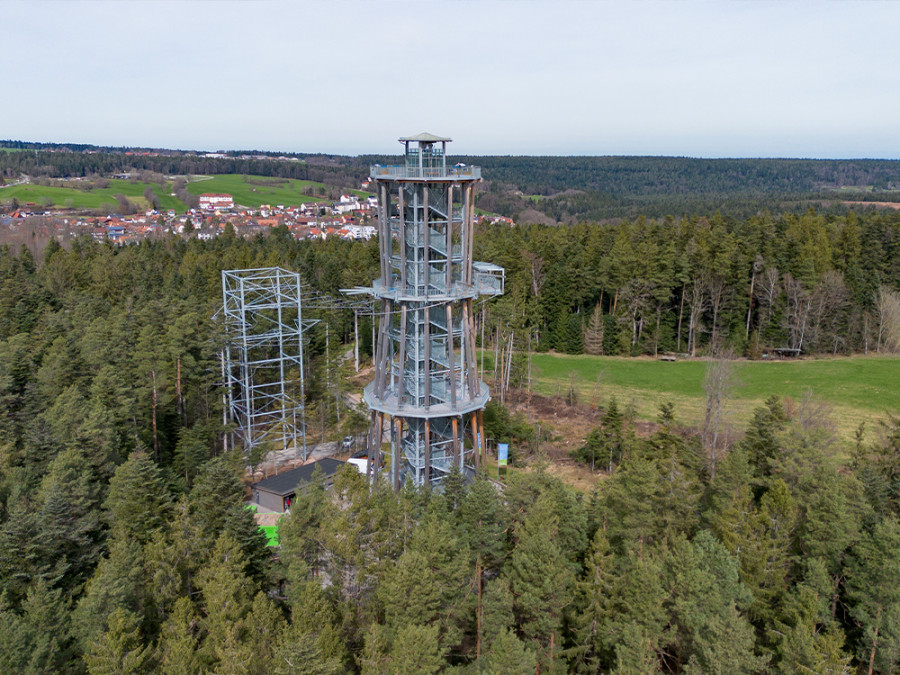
(251,191)
(254,191)
(99,198)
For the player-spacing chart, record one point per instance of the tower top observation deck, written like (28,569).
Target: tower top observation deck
(425,159)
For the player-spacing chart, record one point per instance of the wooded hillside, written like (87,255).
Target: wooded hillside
(125,545)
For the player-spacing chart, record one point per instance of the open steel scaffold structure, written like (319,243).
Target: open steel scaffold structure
(426,388)
(262,359)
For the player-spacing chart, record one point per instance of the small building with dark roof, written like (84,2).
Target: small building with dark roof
(277,492)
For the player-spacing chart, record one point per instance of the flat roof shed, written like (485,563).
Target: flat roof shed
(277,492)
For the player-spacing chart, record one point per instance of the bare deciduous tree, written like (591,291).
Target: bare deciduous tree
(887,305)
(697,305)
(536,268)
(829,299)
(768,291)
(796,313)
(718,385)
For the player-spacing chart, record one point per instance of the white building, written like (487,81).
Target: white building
(213,202)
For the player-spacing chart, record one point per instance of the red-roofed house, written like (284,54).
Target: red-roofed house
(211,202)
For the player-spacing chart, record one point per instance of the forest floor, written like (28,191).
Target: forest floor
(562,427)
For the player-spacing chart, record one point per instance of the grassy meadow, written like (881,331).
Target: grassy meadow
(262,189)
(99,198)
(854,389)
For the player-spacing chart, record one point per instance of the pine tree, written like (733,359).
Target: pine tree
(314,615)
(299,652)
(227,595)
(416,650)
(173,558)
(635,654)
(265,626)
(177,652)
(67,538)
(593,335)
(138,503)
(119,651)
(634,619)
(559,336)
(574,341)
(706,595)
(632,498)
(761,441)
(217,505)
(37,640)
(412,593)
(497,610)
(540,579)
(454,488)
(591,601)
(191,451)
(873,589)
(298,531)
(483,525)
(612,421)
(508,655)
(117,583)
(806,637)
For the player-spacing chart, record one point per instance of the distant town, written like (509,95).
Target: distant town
(350,217)
(347,218)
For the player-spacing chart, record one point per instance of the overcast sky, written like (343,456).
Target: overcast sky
(592,77)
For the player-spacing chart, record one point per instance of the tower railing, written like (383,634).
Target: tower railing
(401,171)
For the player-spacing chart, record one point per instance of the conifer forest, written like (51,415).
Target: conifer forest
(126,547)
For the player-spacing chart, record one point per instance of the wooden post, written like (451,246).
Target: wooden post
(427,338)
(427,239)
(483,321)
(385,237)
(474,423)
(452,374)
(427,467)
(401,385)
(378,351)
(395,457)
(456,452)
(371,449)
(449,237)
(379,440)
(402,241)
(471,365)
(483,443)
(470,222)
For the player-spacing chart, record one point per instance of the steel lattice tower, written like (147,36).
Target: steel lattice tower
(262,362)
(426,387)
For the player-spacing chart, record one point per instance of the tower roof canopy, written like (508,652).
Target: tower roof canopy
(424,137)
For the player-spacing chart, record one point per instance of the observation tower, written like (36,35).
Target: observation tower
(426,395)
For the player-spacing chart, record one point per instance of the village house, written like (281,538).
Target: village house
(216,202)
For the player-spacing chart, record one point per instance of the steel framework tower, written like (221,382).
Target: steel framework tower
(262,360)
(426,387)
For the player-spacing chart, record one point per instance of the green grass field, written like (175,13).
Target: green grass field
(285,191)
(860,388)
(102,198)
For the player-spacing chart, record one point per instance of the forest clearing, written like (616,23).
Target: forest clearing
(853,389)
